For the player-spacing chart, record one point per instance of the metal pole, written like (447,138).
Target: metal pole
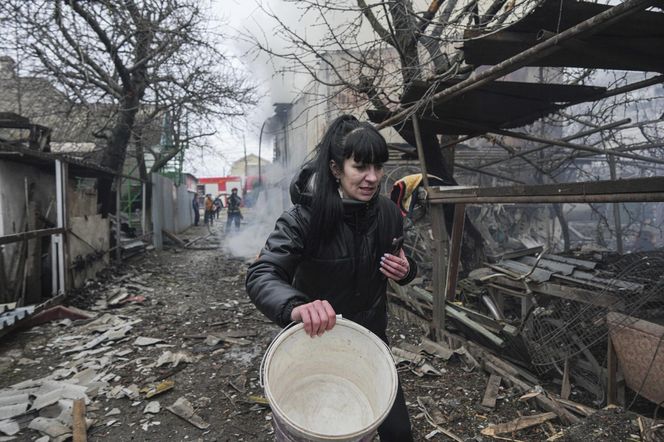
(144,198)
(260,143)
(61,208)
(118,191)
(246,166)
(420,152)
(536,52)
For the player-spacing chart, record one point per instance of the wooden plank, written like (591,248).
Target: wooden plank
(439,232)
(544,401)
(455,252)
(473,325)
(614,189)
(491,392)
(576,407)
(80,427)
(174,238)
(4,284)
(566,387)
(16,237)
(520,423)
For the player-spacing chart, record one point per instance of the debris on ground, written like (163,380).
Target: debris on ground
(205,341)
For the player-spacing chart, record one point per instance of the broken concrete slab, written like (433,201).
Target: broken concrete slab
(153,407)
(50,427)
(10,411)
(13,399)
(53,391)
(9,427)
(183,409)
(143,341)
(84,377)
(109,335)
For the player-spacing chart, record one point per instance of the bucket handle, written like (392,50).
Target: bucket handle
(269,347)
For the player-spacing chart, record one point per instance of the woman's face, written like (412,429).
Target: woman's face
(358,181)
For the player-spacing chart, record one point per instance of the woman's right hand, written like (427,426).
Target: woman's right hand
(317,316)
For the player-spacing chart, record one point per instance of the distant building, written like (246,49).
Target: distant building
(219,185)
(249,167)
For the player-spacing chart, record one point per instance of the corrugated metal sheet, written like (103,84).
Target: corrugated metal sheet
(10,317)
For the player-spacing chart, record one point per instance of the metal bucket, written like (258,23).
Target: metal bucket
(336,387)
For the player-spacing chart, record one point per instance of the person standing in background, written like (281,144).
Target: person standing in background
(233,210)
(218,205)
(197,209)
(209,209)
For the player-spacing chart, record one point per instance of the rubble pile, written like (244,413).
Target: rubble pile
(125,359)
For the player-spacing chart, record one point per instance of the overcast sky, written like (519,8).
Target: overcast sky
(244,16)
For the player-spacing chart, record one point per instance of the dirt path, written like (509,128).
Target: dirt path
(195,304)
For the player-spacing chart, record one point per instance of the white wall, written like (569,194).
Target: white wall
(171,207)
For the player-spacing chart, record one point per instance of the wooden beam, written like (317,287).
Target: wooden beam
(8,239)
(80,428)
(520,423)
(544,401)
(612,374)
(455,252)
(633,190)
(491,392)
(566,387)
(439,232)
(173,237)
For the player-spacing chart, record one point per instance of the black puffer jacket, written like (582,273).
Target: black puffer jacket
(345,273)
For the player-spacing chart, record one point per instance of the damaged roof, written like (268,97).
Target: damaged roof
(633,43)
(45,160)
(496,105)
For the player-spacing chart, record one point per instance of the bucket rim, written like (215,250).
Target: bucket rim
(382,346)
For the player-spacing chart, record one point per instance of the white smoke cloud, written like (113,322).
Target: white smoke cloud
(259,220)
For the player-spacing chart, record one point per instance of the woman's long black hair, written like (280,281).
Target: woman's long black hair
(346,137)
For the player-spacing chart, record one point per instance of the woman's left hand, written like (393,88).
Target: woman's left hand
(393,266)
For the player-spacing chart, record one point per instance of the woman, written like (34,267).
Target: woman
(334,250)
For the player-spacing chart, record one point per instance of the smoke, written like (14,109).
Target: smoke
(259,220)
